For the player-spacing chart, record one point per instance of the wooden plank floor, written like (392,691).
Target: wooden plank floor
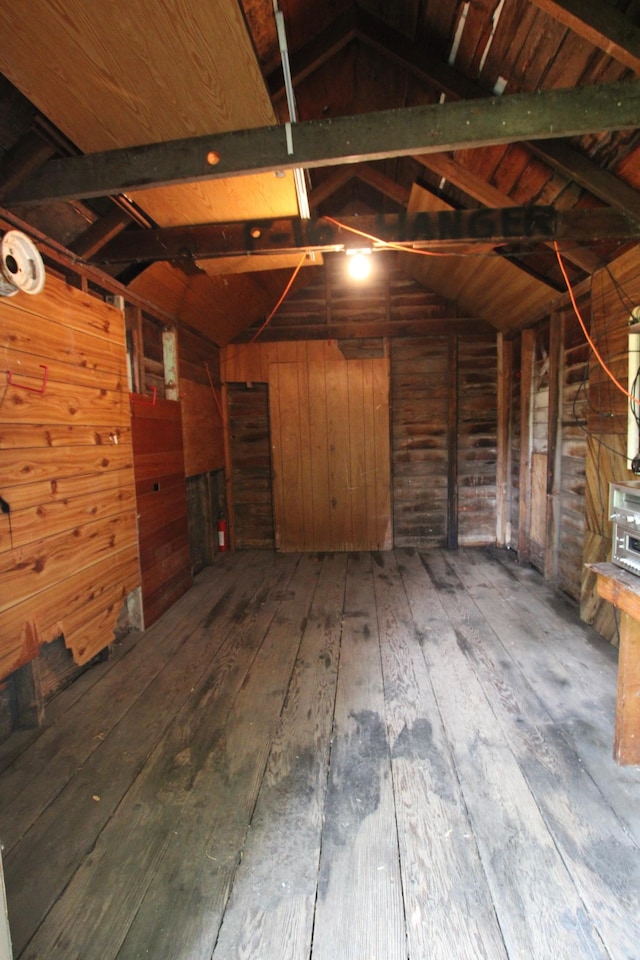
(336,757)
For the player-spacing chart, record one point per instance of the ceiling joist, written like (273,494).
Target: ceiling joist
(318,143)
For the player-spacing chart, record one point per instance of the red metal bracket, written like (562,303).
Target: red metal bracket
(22,386)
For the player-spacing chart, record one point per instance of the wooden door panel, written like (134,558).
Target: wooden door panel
(330,447)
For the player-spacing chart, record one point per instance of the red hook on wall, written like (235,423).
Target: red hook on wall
(22,386)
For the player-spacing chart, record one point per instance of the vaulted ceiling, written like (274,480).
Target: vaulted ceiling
(427,85)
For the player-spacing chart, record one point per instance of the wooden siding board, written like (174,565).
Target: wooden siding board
(66,461)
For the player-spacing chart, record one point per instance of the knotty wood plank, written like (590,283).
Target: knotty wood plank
(163,719)
(202,855)
(359,908)
(271,909)
(597,849)
(48,519)
(446,897)
(514,843)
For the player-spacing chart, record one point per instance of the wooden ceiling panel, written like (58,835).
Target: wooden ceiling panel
(130,72)
(486,287)
(203,301)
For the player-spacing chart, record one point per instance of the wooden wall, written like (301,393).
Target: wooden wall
(250,465)
(420,392)
(161,503)
(477,423)
(572,449)
(330,443)
(68,547)
(201,400)
(614,293)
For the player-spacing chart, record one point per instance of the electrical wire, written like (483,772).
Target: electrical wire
(595,350)
(280,301)
(390,245)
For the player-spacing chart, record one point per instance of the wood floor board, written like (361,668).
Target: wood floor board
(107,774)
(401,756)
(599,853)
(569,666)
(205,847)
(88,717)
(271,909)
(448,903)
(359,910)
(515,845)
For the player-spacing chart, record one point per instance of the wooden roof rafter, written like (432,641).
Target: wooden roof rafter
(600,24)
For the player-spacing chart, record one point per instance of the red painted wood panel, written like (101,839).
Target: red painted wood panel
(158,460)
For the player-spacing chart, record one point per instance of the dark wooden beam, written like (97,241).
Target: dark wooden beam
(20,162)
(428,128)
(360,171)
(427,67)
(358,329)
(101,232)
(480,189)
(600,24)
(422,230)
(579,168)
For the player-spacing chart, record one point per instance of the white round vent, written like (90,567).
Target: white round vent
(21,266)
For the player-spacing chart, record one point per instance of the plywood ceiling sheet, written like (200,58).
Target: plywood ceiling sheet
(130,72)
(487,287)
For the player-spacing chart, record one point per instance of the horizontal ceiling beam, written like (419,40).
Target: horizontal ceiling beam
(319,143)
(420,231)
(428,68)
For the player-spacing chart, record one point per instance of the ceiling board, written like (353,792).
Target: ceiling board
(202,301)
(488,287)
(122,73)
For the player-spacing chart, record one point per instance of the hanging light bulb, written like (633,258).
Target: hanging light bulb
(359,264)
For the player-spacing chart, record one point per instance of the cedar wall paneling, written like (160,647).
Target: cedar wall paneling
(419,431)
(250,449)
(68,548)
(161,502)
(477,439)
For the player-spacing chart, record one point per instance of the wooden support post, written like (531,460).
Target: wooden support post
(452,446)
(503,465)
(622,589)
(554,448)
(170,358)
(526,373)
(135,350)
(227,468)
(626,748)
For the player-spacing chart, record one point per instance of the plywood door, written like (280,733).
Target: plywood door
(330,449)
